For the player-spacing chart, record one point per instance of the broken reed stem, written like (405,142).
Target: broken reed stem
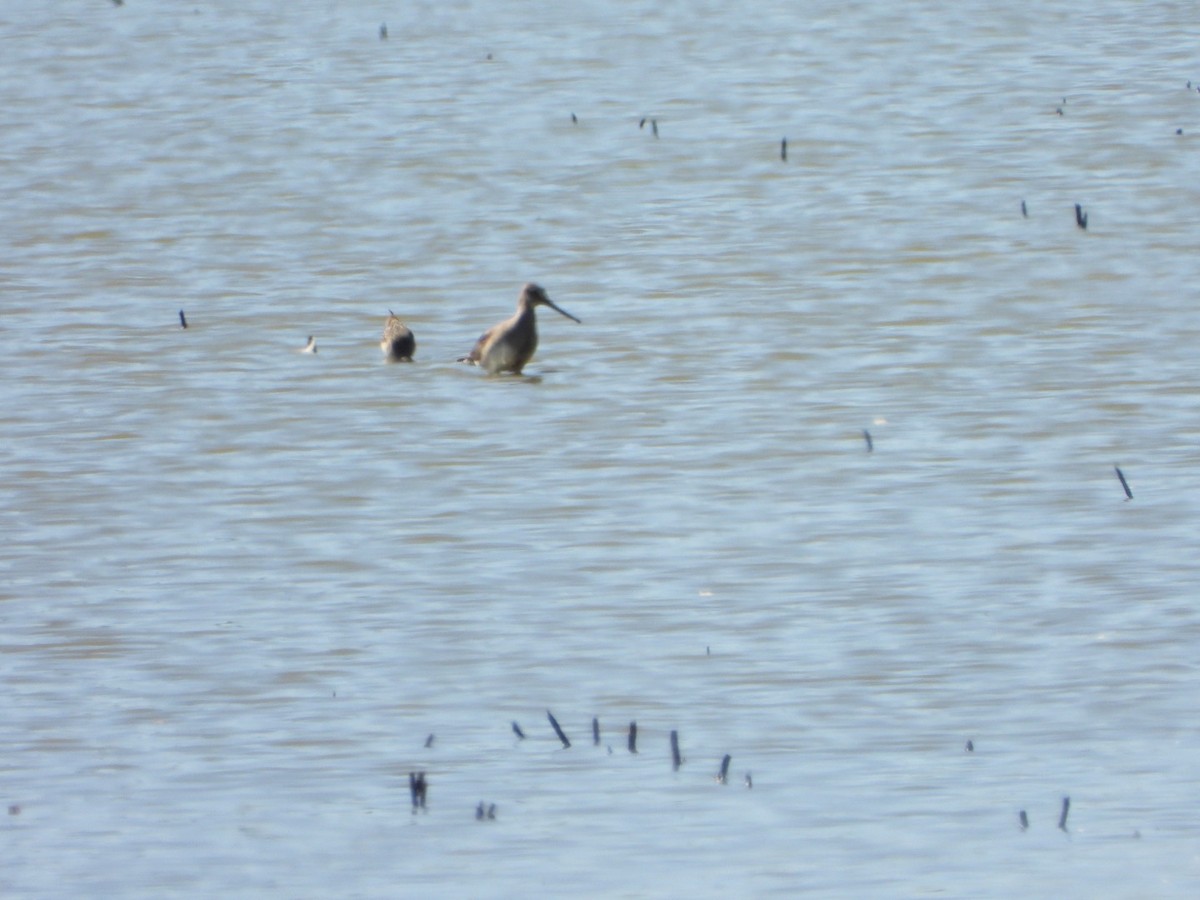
(557,730)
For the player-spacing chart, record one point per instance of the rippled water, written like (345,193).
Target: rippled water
(241,585)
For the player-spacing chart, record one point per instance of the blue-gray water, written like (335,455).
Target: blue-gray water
(240,585)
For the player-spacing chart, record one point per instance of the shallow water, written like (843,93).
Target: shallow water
(241,585)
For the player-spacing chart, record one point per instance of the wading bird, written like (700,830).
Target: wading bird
(507,347)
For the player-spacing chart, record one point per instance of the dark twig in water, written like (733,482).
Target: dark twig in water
(418,787)
(383,32)
(517,731)
(633,737)
(783,149)
(1080,217)
(1024,820)
(182,319)
(595,732)
(554,722)
(1124,483)
(723,775)
(1024,211)
(676,759)
(429,741)
(1062,819)
(870,443)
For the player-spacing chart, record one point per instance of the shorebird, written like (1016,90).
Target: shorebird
(398,343)
(311,346)
(507,347)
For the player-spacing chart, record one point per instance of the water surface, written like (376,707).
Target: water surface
(241,585)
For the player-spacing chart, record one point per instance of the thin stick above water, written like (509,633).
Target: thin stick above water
(554,722)
(723,775)
(1124,483)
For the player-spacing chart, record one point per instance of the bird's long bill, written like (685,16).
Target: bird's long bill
(558,308)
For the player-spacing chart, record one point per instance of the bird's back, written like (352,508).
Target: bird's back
(398,341)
